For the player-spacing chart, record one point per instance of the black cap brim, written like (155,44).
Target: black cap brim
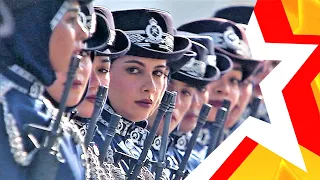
(248,65)
(120,48)
(99,42)
(224,63)
(176,65)
(212,74)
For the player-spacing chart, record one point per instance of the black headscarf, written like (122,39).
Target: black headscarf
(28,46)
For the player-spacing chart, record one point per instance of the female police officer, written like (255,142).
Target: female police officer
(196,73)
(139,78)
(108,43)
(47,35)
(230,40)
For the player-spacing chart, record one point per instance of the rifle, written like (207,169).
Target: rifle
(111,131)
(46,162)
(216,128)
(98,107)
(164,139)
(225,104)
(164,105)
(201,121)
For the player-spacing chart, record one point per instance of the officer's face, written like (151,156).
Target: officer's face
(227,87)
(136,85)
(189,121)
(78,86)
(246,88)
(99,76)
(183,102)
(65,41)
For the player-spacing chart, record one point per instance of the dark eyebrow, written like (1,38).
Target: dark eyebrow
(136,62)
(160,66)
(143,65)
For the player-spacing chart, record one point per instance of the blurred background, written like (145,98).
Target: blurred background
(182,11)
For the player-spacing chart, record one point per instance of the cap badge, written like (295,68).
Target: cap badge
(154,32)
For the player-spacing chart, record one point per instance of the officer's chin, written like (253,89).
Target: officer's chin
(77,96)
(73,101)
(85,109)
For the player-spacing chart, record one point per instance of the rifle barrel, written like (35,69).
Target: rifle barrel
(201,121)
(216,128)
(53,135)
(98,106)
(226,104)
(164,138)
(164,105)
(111,131)
(45,163)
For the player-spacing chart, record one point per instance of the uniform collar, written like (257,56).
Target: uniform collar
(135,131)
(24,81)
